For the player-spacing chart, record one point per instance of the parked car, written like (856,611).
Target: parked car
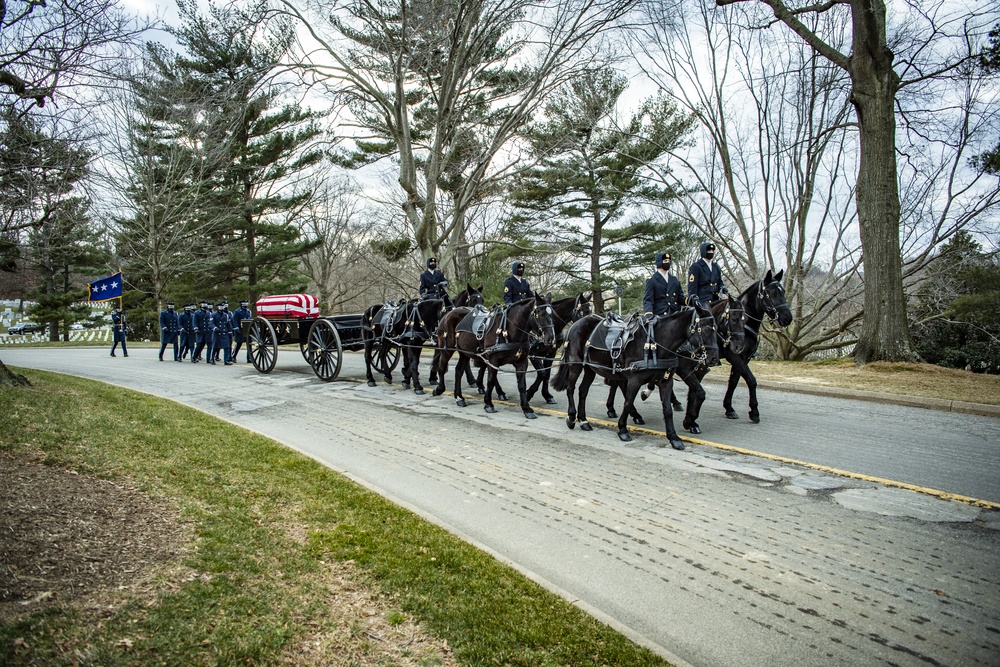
(26,328)
(76,326)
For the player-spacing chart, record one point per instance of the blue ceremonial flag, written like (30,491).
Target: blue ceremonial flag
(106,289)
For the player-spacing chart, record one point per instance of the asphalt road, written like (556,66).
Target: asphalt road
(709,557)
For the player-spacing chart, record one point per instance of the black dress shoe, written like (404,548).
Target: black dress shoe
(113,354)
(124,355)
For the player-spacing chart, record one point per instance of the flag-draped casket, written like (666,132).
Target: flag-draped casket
(288,307)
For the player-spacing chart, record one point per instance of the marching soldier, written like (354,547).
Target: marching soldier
(119,327)
(663,294)
(186,322)
(203,330)
(240,314)
(705,276)
(169,328)
(223,323)
(516,287)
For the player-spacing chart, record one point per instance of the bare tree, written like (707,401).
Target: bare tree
(50,45)
(434,85)
(925,42)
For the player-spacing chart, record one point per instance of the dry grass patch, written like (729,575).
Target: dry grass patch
(909,379)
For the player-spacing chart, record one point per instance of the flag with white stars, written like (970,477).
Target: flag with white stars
(106,289)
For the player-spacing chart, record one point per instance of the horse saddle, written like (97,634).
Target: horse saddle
(613,333)
(390,315)
(477,322)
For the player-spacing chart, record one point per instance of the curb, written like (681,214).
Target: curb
(941,404)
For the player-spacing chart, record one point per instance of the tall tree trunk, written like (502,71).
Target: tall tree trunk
(885,333)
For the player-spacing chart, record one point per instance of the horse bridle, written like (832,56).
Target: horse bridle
(578,305)
(728,327)
(769,308)
(534,339)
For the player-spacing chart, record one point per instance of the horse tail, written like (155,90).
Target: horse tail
(561,381)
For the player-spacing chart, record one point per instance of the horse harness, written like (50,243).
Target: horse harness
(479,321)
(613,335)
(769,309)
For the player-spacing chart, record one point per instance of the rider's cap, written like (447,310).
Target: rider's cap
(431,260)
(244,303)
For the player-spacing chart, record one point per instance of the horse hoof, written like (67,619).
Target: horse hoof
(530,415)
(695,429)
(489,408)
(677,444)
(585,426)
(624,436)
(502,397)
(372,383)
(550,400)
(644,394)
(612,414)
(570,423)
(731,414)
(677,406)
(638,420)
(481,390)
(419,391)
(754,418)
(461,403)
(438,391)
(405,385)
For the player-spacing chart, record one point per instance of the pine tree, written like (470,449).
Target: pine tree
(590,187)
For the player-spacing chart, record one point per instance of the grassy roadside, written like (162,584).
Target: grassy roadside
(908,379)
(268,525)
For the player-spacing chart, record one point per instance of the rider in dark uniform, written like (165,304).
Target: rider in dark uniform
(240,314)
(516,288)
(186,322)
(432,281)
(663,294)
(705,276)
(169,328)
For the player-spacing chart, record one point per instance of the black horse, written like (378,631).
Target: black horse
(421,322)
(380,325)
(468,298)
(764,297)
(630,369)
(510,334)
(564,312)
(730,318)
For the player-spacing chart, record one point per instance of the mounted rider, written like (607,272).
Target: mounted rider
(663,294)
(705,277)
(433,283)
(516,288)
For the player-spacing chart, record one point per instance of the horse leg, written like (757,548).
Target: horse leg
(474,380)
(610,405)
(537,382)
(574,375)
(522,389)
(442,357)
(630,391)
(734,380)
(588,379)
(407,374)
(415,369)
(488,399)
(634,412)
(463,361)
(369,344)
(494,384)
(696,396)
(433,376)
(545,374)
(666,391)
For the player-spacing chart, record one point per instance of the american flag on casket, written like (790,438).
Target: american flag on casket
(288,307)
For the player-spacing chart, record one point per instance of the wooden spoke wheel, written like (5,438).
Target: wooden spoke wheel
(262,345)
(386,357)
(326,355)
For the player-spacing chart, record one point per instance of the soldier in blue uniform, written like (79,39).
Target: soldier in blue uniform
(705,276)
(663,294)
(240,314)
(169,328)
(223,322)
(516,288)
(433,282)
(203,331)
(186,322)
(119,327)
